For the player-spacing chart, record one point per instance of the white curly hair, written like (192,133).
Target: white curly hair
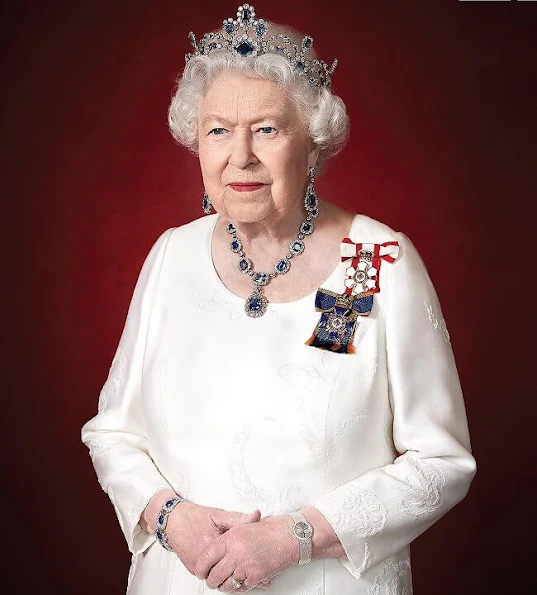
(323,112)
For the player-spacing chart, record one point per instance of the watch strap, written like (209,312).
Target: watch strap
(304,533)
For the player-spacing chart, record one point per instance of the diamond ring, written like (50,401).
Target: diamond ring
(235,583)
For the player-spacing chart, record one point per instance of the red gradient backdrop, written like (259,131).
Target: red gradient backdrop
(442,101)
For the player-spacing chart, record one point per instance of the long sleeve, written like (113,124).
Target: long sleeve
(385,509)
(116,436)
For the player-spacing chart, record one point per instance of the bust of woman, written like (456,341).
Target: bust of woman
(283,411)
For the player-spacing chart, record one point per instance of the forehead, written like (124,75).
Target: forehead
(241,97)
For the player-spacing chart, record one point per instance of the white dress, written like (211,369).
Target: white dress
(240,413)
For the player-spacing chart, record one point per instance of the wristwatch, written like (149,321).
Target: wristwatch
(304,533)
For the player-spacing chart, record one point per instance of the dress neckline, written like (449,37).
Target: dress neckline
(310,297)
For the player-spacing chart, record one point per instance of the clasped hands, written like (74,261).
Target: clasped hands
(214,544)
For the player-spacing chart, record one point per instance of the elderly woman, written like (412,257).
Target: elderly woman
(283,411)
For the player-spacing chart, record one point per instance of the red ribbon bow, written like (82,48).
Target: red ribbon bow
(388,251)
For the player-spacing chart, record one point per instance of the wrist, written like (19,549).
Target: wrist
(325,542)
(302,532)
(148,519)
(162,521)
(293,547)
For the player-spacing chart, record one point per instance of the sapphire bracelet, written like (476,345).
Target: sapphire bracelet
(162,521)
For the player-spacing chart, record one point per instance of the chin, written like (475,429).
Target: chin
(247,217)
(249,211)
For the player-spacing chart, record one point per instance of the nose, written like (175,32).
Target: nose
(242,151)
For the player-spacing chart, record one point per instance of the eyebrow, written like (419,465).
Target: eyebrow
(212,117)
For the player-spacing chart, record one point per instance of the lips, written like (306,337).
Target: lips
(245,186)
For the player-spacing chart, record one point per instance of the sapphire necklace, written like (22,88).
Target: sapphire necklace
(256,303)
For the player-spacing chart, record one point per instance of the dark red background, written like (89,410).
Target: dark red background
(442,100)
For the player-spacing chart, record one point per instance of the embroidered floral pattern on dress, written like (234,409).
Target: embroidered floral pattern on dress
(98,448)
(393,579)
(312,427)
(423,488)
(373,366)
(134,512)
(366,562)
(212,301)
(439,324)
(103,401)
(116,374)
(355,510)
(307,376)
(180,480)
(314,584)
(312,391)
(112,497)
(288,498)
(114,382)
(333,438)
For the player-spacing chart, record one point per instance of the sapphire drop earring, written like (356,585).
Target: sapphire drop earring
(207,206)
(311,202)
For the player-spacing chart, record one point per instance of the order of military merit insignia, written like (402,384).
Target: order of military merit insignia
(340,311)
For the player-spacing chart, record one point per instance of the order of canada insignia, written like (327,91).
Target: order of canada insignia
(340,311)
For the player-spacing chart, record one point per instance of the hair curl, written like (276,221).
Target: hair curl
(324,113)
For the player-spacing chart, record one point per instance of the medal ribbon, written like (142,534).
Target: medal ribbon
(389,251)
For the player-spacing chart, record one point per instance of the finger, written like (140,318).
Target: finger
(210,555)
(220,573)
(227,587)
(248,585)
(224,519)
(250,517)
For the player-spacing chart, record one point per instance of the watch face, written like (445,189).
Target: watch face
(303,530)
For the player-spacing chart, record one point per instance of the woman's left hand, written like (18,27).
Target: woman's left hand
(253,553)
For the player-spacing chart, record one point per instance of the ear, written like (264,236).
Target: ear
(313,155)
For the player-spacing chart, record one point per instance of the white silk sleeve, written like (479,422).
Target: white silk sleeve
(116,436)
(384,510)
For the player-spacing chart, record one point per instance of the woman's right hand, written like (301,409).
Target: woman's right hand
(191,527)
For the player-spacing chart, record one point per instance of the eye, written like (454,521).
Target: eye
(267,130)
(217,131)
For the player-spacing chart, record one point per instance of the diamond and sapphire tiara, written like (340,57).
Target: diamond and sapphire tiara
(247,36)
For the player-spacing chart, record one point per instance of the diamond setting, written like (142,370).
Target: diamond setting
(261,278)
(336,323)
(235,245)
(297,247)
(246,46)
(307,227)
(237,35)
(282,266)
(244,264)
(256,305)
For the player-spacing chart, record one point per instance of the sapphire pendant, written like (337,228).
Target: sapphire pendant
(256,304)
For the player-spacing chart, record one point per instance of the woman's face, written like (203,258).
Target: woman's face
(254,149)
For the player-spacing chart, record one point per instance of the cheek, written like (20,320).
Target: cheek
(212,164)
(290,168)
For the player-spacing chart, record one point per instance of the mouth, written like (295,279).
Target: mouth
(245,186)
